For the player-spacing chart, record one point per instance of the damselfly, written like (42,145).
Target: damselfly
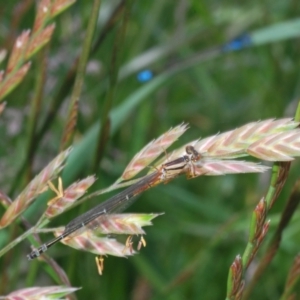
(123,199)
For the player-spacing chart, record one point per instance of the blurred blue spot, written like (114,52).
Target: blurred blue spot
(144,75)
(238,43)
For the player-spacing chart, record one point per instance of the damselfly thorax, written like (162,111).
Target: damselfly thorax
(183,164)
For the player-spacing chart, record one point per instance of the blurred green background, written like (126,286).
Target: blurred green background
(195,80)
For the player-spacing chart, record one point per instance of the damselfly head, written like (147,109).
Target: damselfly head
(194,155)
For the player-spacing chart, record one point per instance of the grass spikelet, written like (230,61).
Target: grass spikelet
(222,167)
(67,197)
(18,52)
(29,43)
(234,143)
(122,223)
(37,186)
(49,292)
(258,220)
(59,6)
(10,82)
(258,230)
(38,41)
(235,284)
(92,239)
(42,14)
(88,241)
(282,146)
(151,151)
(286,216)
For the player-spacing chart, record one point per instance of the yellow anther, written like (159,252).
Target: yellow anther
(58,191)
(142,242)
(100,264)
